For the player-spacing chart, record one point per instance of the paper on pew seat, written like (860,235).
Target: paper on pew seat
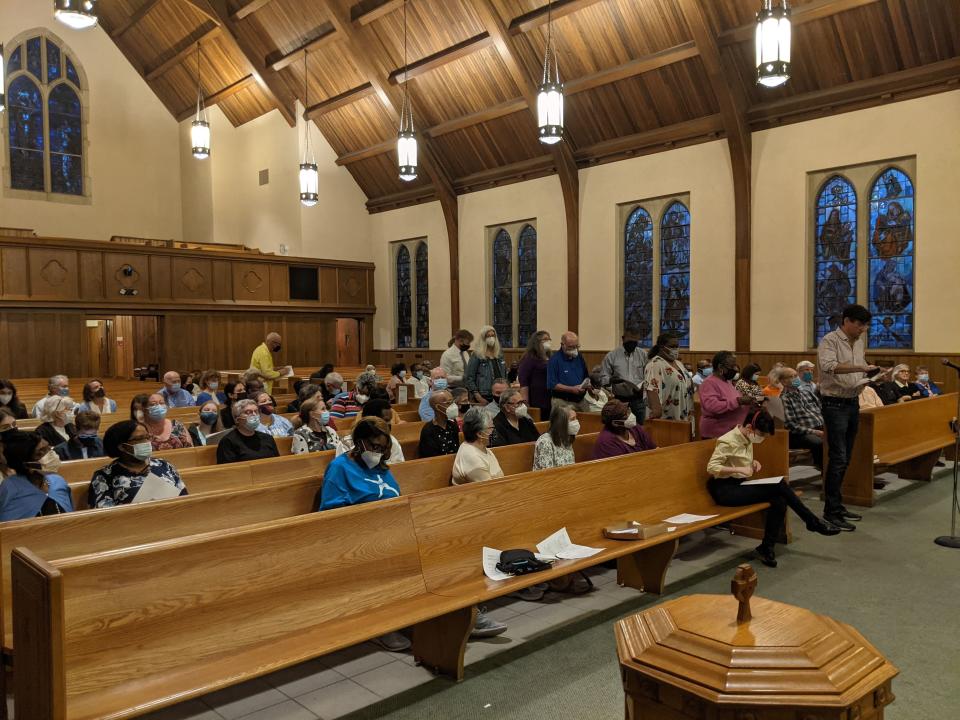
(559,545)
(763,481)
(684,518)
(155,488)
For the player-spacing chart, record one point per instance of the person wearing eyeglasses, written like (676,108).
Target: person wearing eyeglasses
(512,425)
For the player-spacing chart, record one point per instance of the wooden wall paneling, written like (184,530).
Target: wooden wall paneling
(192,279)
(371,297)
(53,274)
(91,276)
(186,342)
(115,280)
(251,282)
(145,340)
(161,280)
(328,285)
(351,286)
(222,280)
(123,345)
(16,277)
(279,283)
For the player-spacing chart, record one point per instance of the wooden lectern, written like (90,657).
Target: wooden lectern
(691,658)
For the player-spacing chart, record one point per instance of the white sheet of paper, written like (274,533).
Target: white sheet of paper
(763,481)
(559,545)
(155,488)
(288,373)
(490,559)
(684,518)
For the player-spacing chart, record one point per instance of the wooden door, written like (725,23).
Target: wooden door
(348,342)
(123,346)
(99,342)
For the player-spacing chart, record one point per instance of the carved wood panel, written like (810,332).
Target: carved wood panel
(53,274)
(251,281)
(128,272)
(192,279)
(351,286)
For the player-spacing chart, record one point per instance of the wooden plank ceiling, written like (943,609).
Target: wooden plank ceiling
(635,79)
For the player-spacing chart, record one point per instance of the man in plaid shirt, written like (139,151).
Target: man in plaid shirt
(802,416)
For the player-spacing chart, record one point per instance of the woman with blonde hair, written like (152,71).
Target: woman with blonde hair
(485,366)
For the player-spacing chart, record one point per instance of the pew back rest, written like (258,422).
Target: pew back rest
(907,429)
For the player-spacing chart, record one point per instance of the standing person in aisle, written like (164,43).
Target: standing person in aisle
(262,360)
(622,370)
(455,358)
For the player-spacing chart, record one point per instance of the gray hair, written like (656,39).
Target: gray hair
(366,380)
(251,374)
(52,403)
(507,394)
(240,405)
(333,378)
(475,421)
(54,382)
(774,374)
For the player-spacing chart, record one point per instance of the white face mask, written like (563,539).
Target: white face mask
(139,415)
(142,450)
(370,458)
(5,398)
(522,411)
(756,439)
(547,345)
(491,341)
(572,352)
(452,412)
(252,422)
(402,374)
(361,399)
(50,462)
(574,426)
(630,422)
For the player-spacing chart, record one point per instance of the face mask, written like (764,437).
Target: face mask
(361,399)
(276,349)
(440,384)
(419,375)
(629,346)
(491,341)
(924,378)
(139,415)
(571,352)
(574,427)
(175,388)
(452,412)
(265,409)
(630,422)
(208,418)
(673,354)
(796,382)
(49,463)
(464,407)
(547,345)
(100,393)
(213,385)
(321,419)
(371,459)
(522,411)
(755,377)
(756,439)
(464,348)
(64,392)
(808,376)
(706,372)
(252,422)
(157,412)
(730,374)
(5,398)
(141,450)
(87,435)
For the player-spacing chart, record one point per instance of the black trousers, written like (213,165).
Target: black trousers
(729,492)
(811,442)
(841,418)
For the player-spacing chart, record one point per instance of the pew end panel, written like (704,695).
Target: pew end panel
(440,643)
(646,570)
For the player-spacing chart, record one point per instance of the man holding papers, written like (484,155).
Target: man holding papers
(732,464)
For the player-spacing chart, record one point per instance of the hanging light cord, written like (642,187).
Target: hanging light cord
(406,111)
(549,45)
(306,105)
(200,103)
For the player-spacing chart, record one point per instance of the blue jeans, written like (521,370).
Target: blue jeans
(841,418)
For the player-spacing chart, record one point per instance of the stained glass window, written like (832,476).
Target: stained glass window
(423,300)
(638,274)
(835,258)
(503,288)
(675,272)
(41,160)
(404,323)
(890,271)
(527,286)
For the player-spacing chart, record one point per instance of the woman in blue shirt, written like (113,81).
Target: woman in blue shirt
(210,388)
(35,489)
(360,475)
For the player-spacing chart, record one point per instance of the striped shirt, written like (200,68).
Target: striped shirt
(836,349)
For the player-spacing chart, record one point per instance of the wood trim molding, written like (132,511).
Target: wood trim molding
(709,127)
(413,196)
(441,58)
(640,65)
(536,18)
(321,36)
(248,9)
(339,101)
(360,17)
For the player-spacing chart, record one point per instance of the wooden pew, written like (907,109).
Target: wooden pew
(907,438)
(175,614)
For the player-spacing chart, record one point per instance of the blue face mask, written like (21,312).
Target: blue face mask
(175,387)
(157,412)
(707,371)
(64,392)
(796,382)
(208,418)
(808,376)
(440,384)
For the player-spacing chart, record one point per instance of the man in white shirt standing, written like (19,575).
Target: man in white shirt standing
(455,358)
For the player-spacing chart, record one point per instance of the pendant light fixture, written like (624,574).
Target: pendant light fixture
(200,128)
(550,94)
(407,137)
(309,177)
(77,14)
(773,44)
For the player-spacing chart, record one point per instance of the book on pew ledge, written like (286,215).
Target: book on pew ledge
(634,530)
(560,546)
(684,518)
(155,488)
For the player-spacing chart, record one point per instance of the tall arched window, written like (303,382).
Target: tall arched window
(503,288)
(46,117)
(423,299)
(638,274)
(527,284)
(890,279)
(404,324)
(835,257)
(675,272)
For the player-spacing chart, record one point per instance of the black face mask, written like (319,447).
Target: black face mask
(463,348)
(464,407)
(629,346)
(100,393)
(729,373)
(276,349)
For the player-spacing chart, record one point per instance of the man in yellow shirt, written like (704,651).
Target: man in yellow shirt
(262,360)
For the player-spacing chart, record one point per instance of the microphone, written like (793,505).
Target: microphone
(950,364)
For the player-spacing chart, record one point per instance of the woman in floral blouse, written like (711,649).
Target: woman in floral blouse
(119,482)
(555,447)
(748,384)
(164,434)
(668,384)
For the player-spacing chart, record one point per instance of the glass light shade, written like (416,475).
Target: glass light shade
(773,45)
(407,155)
(77,14)
(550,113)
(200,139)
(309,184)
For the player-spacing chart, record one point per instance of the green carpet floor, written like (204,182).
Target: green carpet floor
(887,579)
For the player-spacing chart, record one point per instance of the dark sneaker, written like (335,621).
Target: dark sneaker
(823,527)
(393,641)
(839,522)
(767,556)
(847,515)
(486,626)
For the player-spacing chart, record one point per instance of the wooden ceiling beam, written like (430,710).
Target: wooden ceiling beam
(489,113)
(514,172)
(339,101)
(733,115)
(321,36)
(367,152)
(267,79)
(249,9)
(562,152)
(441,58)
(141,12)
(816,10)
(358,16)
(945,73)
(184,49)
(413,196)
(203,6)
(215,98)
(536,18)
(647,63)
(708,127)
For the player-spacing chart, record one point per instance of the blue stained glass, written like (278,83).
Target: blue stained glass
(675,272)
(34,58)
(404,324)
(835,255)
(66,174)
(638,274)
(423,300)
(16,60)
(53,62)
(890,273)
(503,288)
(72,74)
(527,270)
(25,132)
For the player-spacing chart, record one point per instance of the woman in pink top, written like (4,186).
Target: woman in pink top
(722,407)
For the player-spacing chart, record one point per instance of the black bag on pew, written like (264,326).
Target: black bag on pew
(520,562)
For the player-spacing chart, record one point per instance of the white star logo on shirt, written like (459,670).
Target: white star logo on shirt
(381,483)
